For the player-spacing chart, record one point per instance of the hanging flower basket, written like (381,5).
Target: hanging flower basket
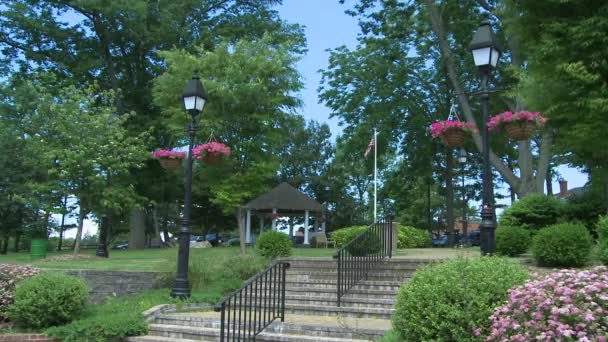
(211,153)
(452,133)
(519,126)
(169,160)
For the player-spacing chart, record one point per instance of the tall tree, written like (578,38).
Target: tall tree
(252,87)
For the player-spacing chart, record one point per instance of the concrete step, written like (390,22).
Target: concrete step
(211,334)
(331,301)
(332,284)
(346,311)
(329,292)
(394,276)
(347,330)
(150,338)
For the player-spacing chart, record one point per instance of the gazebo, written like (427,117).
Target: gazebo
(284,200)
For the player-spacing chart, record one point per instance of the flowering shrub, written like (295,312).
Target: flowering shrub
(564,306)
(508,117)
(214,148)
(9,276)
(169,154)
(440,127)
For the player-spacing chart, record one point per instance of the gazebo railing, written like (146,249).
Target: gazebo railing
(253,307)
(360,255)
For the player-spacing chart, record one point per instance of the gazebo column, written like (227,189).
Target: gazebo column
(291,227)
(274,220)
(248,227)
(261,224)
(306,228)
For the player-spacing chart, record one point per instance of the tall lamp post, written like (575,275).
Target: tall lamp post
(486,54)
(194,100)
(462,159)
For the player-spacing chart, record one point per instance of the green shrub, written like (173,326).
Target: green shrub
(410,237)
(9,276)
(562,245)
(534,211)
(446,301)
(274,244)
(602,232)
(112,327)
(48,299)
(343,235)
(585,207)
(512,241)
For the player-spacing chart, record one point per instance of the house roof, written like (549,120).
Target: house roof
(284,197)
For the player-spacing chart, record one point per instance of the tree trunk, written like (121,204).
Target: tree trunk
(449,187)
(521,186)
(81,215)
(102,245)
(4,249)
(17,238)
(65,206)
(241,225)
(137,235)
(155,239)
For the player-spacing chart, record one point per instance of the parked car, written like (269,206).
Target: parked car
(195,238)
(215,239)
(441,241)
(472,239)
(120,246)
(232,242)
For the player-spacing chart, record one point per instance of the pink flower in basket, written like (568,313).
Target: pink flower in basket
(168,154)
(211,148)
(501,119)
(440,127)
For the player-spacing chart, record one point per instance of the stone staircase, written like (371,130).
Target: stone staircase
(311,311)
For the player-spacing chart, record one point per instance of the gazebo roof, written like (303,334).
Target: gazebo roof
(284,197)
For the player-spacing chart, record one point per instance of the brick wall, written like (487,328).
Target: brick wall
(26,338)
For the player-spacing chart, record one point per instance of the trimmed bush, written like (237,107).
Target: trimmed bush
(564,306)
(48,299)
(343,235)
(274,244)
(512,241)
(410,237)
(9,276)
(112,327)
(447,301)
(534,211)
(562,245)
(602,232)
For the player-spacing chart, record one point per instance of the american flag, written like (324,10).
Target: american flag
(370,147)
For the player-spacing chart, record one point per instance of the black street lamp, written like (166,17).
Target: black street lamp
(462,159)
(194,102)
(486,54)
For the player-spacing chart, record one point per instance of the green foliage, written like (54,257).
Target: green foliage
(602,232)
(585,207)
(534,211)
(98,329)
(10,275)
(410,237)
(48,299)
(562,245)
(272,244)
(446,301)
(343,235)
(512,241)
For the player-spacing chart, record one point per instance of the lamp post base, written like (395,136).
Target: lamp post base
(488,231)
(181,289)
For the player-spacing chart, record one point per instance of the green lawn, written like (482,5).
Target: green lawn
(142,260)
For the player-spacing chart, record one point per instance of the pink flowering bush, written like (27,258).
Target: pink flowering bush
(169,154)
(501,119)
(564,306)
(9,275)
(211,148)
(441,127)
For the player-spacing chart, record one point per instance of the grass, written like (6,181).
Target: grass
(141,260)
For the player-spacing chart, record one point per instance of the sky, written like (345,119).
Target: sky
(326,26)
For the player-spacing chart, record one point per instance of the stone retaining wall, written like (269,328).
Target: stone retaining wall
(104,284)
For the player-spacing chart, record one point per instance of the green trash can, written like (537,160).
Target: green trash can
(38,248)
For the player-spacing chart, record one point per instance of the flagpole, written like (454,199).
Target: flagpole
(375,176)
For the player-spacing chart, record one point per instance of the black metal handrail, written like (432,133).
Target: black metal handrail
(250,309)
(356,258)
